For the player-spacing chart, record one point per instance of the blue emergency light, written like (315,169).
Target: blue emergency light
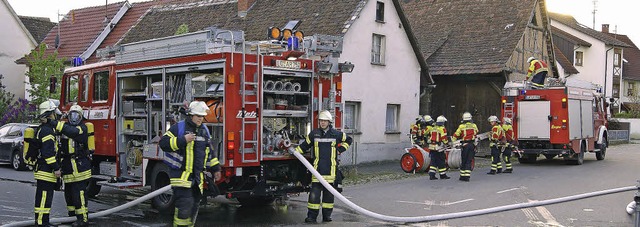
(292,43)
(77,61)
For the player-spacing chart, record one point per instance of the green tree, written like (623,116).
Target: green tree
(5,97)
(42,68)
(182,29)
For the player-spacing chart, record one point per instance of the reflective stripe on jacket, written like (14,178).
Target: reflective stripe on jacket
(326,148)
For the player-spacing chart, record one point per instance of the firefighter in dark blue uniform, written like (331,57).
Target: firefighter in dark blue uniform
(47,168)
(76,147)
(327,144)
(194,156)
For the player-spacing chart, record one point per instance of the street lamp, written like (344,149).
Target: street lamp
(346,67)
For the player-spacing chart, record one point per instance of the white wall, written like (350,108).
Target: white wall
(634,128)
(593,67)
(14,45)
(375,86)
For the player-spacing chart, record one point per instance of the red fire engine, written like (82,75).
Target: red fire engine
(565,119)
(261,94)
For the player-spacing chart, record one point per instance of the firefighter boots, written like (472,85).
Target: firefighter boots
(432,176)
(508,171)
(444,177)
(309,220)
(326,219)
(79,223)
(465,178)
(499,170)
(492,172)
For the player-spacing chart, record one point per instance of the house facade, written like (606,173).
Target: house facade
(629,89)
(16,42)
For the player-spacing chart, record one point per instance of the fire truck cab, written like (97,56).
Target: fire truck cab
(260,95)
(566,118)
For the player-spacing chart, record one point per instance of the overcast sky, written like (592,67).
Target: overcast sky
(622,14)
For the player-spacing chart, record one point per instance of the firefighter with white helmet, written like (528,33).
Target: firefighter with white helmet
(187,153)
(509,136)
(328,143)
(77,145)
(47,167)
(539,70)
(467,132)
(495,143)
(417,131)
(437,139)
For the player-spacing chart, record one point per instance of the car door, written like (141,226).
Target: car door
(5,143)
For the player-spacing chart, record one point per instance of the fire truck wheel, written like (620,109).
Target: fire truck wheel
(408,162)
(603,151)
(165,202)
(256,201)
(93,188)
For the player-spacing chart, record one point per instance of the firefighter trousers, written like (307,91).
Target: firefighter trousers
(44,198)
(496,164)
(538,79)
(187,204)
(74,195)
(506,155)
(468,151)
(437,163)
(317,190)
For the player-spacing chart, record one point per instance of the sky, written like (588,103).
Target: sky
(619,14)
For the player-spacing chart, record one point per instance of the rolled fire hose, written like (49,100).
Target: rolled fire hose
(287,86)
(296,87)
(268,86)
(277,86)
(100,213)
(450,215)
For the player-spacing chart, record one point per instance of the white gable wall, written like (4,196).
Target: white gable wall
(16,42)
(375,86)
(593,66)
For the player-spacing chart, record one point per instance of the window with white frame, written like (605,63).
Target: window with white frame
(377,49)
(631,91)
(351,117)
(380,11)
(617,57)
(579,58)
(393,111)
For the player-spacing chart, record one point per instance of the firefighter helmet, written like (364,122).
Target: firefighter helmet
(507,120)
(493,118)
(325,115)
(428,118)
(530,59)
(49,106)
(466,116)
(75,115)
(198,108)
(441,119)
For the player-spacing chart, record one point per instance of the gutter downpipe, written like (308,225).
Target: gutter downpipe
(606,65)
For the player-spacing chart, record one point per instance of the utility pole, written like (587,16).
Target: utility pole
(594,14)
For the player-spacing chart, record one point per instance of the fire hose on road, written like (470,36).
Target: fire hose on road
(368,212)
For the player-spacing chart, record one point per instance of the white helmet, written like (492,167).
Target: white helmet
(441,119)
(325,115)
(75,115)
(507,120)
(466,116)
(530,59)
(198,108)
(493,118)
(48,106)
(428,118)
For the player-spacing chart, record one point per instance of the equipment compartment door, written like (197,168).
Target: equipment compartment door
(533,120)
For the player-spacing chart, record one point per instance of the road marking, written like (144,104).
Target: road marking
(550,220)
(431,203)
(508,190)
(461,201)
(425,203)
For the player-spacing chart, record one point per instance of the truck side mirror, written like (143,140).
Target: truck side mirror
(52,84)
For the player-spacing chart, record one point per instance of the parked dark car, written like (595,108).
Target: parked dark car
(11,140)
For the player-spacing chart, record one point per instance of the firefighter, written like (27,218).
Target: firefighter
(47,168)
(467,132)
(495,143)
(76,147)
(327,144)
(509,144)
(539,70)
(437,139)
(417,131)
(189,141)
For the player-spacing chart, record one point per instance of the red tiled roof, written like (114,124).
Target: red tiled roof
(631,68)
(566,64)
(79,29)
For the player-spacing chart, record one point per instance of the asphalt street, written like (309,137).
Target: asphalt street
(416,196)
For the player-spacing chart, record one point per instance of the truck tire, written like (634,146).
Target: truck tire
(600,155)
(527,158)
(256,201)
(577,159)
(16,161)
(165,202)
(93,188)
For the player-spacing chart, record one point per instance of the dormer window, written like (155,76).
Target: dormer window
(380,11)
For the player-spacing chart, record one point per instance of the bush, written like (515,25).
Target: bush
(5,97)
(627,115)
(20,111)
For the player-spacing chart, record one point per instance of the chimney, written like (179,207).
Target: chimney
(243,7)
(605,28)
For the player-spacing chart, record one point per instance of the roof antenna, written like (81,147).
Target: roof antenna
(106,18)
(594,13)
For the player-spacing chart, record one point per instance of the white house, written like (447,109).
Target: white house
(598,58)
